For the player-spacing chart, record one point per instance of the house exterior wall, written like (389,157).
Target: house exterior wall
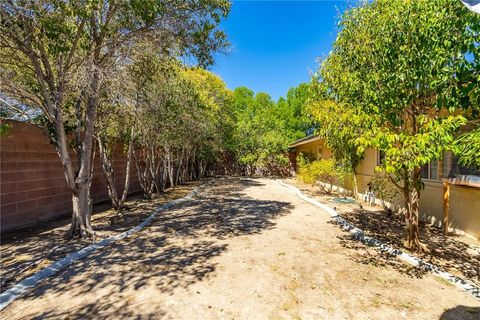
(312,150)
(464,211)
(366,169)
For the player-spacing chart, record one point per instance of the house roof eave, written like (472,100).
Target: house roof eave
(304,140)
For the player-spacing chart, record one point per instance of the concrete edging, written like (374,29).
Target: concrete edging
(359,235)
(30,282)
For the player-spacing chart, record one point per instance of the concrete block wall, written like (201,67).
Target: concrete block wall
(32,183)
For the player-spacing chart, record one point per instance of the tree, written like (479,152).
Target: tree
(261,133)
(263,128)
(294,112)
(217,119)
(467,147)
(407,64)
(340,126)
(55,56)
(166,106)
(115,129)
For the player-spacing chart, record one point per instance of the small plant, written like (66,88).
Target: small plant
(323,171)
(344,177)
(386,191)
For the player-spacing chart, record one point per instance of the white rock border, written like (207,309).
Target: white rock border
(359,235)
(30,282)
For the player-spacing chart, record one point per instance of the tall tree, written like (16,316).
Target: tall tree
(294,112)
(56,54)
(261,133)
(341,126)
(217,119)
(408,64)
(115,130)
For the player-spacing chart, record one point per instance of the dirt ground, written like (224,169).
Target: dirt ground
(26,251)
(455,253)
(243,249)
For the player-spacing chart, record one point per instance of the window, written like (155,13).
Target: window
(458,173)
(380,157)
(434,170)
(430,170)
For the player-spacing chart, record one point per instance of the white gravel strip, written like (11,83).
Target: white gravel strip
(28,283)
(359,235)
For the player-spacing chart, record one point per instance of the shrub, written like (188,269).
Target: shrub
(344,177)
(302,160)
(386,191)
(320,171)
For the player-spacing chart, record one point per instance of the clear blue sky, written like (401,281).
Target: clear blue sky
(275,44)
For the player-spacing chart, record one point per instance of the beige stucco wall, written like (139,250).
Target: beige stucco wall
(312,149)
(366,169)
(464,206)
(464,201)
(465,209)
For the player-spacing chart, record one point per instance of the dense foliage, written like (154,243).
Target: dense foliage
(58,57)
(262,130)
(409,71)
(402,77)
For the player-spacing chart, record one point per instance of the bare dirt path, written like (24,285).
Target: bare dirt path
(24,252)
(244,249)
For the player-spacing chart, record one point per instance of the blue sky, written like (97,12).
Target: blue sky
(276,43)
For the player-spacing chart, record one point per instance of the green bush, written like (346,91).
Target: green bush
(345,178)
(386,191)
(320,171)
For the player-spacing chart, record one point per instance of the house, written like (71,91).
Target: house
(464,184)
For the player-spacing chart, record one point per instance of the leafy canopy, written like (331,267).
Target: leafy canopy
(407,65)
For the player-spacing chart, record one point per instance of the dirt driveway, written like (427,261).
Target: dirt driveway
(244,249)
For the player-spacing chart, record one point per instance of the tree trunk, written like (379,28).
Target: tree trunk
(169,169)
(412,198)
(127,170)
(81,214)
(82,204)
(179,170)
(355,185)
(143,173)
(107,167)
(80,184)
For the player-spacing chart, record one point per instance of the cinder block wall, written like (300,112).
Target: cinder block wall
(33,186)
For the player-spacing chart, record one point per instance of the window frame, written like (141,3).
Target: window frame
(429,171)
(380,160)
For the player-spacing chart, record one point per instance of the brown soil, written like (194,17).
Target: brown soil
(26,251)
(455,253)
(243,249)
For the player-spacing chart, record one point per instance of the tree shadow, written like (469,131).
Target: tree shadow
(101,310)
(461,313)
(25,251)
(177,249)
(447,252)
(379,258)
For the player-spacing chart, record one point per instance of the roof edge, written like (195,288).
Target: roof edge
(307,139)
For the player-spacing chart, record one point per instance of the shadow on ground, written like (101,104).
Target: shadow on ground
(368,256)
(176,250)
(445,251)
(452,253)
(461,313)
(25,251)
